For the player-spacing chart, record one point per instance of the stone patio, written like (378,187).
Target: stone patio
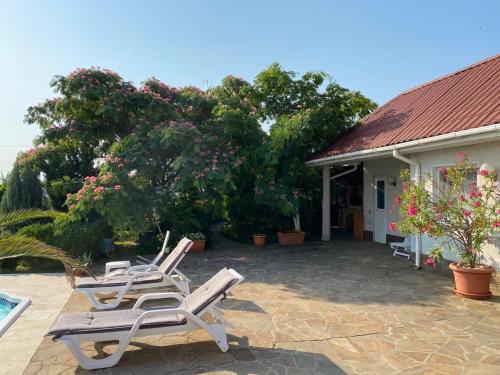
(342,307)
(48,293)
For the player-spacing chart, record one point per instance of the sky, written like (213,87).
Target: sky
(380,48)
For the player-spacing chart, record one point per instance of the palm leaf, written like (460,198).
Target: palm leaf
(19,216)
(15,246)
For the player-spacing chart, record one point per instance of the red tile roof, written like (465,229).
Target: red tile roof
(466,99)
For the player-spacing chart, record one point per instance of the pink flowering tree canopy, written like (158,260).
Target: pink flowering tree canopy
(463,215)
(148,147)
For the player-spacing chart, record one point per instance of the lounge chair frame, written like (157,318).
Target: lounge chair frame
(216,330)
(144,264)
(173,278)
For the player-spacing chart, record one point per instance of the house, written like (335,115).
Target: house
(421,129)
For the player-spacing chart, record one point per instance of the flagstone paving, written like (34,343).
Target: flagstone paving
(342,307)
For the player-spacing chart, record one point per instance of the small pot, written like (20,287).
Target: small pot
(79,272)
(259,240)
(472,283)
(291,238)
(198,246)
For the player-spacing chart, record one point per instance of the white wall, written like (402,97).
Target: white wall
(478,154)
(385,167)
(429,160)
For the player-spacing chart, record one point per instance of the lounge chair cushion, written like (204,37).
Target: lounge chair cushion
(175,256)
(210,291)
(117,280)
(109,321)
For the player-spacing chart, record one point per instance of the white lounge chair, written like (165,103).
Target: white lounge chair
(401,248)
(121,267)
(123,325)
(136,278)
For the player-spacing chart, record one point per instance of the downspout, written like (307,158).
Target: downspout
(397,155)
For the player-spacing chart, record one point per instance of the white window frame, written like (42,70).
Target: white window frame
(436,177)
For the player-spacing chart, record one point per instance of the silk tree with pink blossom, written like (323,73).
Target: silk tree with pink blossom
(463,216)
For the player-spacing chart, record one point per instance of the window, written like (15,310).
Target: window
(381,194)
(444,183)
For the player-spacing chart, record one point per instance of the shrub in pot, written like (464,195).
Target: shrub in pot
(198,239)
(463,216)
(84,261)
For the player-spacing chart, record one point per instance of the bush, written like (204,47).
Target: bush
(78,237)
(244,217)
(41,231)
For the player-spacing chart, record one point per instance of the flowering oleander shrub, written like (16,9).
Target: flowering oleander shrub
(465,216)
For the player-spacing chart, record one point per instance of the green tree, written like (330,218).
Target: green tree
(305,118)
(23,189)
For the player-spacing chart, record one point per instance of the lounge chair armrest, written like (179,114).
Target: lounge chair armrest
(142,268)
(115,272)
(141,274)
(153,296)
(142,260)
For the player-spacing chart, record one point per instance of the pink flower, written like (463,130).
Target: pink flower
(496,225)
(392,226)
(430,262)
(484,173)
(466,213)
(472,193)
(462,198)
(443,171)
(461,155)
(396,200)
(412,210)
(91,179)
(117,187)
(477,204)
(98,189)
(469,249)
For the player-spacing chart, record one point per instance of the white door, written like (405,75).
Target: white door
(380,231)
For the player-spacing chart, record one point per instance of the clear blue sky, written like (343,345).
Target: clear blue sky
(378,47)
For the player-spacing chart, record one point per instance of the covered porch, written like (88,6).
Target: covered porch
(378,180)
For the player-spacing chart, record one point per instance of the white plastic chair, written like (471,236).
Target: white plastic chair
(402,248)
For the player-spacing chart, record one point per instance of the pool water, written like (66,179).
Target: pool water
(6,307)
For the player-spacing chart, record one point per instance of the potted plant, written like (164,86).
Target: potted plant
(84,261)
(259,240)
(291,237)
(463,216)
(294,236)
(198,239)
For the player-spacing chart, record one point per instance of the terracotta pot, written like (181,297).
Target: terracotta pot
(291,238)
(259,240)
(198,246)
(80,273)
(472,282)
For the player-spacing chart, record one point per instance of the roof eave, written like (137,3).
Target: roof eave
(477,135)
